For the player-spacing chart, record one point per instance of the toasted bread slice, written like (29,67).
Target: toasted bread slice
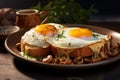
(96,48)
(34,51)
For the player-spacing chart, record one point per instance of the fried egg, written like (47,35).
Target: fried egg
(75,37)
(36,36)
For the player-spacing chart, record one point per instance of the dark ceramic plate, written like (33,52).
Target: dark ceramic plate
(12,40)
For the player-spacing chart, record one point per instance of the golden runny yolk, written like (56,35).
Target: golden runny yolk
(80,33)
(46,29)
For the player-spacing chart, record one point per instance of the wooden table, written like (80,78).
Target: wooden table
(13,69)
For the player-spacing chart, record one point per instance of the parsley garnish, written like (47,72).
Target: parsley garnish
(33,35)
(95,35)
(69,44)
(60,35)
(26,55)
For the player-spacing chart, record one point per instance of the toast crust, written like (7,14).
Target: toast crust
(34,51)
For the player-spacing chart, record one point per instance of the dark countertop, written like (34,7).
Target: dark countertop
(14,69)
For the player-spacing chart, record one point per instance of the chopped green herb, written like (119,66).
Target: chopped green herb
(95,35)
(26,55)
(59,26)
(33,35)
(69,44)
(61,35)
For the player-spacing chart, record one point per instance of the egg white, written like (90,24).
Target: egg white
(33,38)
(56,25)
(62,40)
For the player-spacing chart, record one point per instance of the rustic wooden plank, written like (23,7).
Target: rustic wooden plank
(7,69)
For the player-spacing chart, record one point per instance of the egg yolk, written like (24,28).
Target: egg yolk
(80,33)
(46,29)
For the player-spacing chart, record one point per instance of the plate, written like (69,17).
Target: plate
(12,40)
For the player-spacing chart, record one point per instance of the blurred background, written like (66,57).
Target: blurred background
(105,7)
(101,11)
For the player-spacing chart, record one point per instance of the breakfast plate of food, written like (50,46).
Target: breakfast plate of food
(56,45)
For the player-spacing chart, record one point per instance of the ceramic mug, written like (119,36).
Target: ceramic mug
(30,18)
